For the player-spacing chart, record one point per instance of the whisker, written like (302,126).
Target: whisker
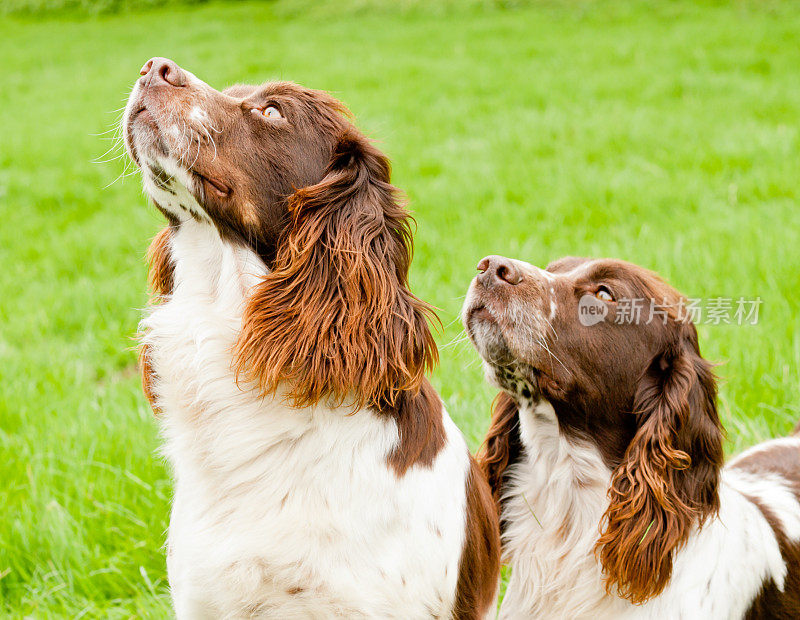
(457,339)
(453,322)
(550,325)
(197,154)
(214,144)
(123,175)
(543,344)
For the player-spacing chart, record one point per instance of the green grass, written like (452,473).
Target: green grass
(84,7)
(663,133)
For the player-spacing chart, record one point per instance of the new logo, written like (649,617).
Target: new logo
(591,310)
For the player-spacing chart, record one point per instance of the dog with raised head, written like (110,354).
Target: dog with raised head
(605,454)
(317,473)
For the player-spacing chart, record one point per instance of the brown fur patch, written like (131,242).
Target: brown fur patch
(161,274)
(502,446)
(420,426)
(771,602)
(779,459)
(148,377)
(479,570)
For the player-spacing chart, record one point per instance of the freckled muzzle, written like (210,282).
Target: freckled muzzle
(506,317)
(169,116)
(503,290)
(146,107)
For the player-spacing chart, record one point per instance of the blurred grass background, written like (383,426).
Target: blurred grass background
(665,133)
(79,8)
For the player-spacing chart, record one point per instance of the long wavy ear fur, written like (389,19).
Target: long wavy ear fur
(334,319)
(667,482)
(160,278)
(502,446)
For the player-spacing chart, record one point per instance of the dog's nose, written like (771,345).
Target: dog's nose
(498,269)
(162,71)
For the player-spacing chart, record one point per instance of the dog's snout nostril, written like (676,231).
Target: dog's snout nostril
(498,269)
(163,71)
(509,272)
(502,272)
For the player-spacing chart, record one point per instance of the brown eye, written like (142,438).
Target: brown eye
(271,112)
(604,294)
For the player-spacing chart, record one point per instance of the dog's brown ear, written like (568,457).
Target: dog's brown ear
(147,376)
(667,482)
(161,280)
(334,319)
(161,274)
(502,446)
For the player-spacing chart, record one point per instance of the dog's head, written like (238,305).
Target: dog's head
(234,156)
(281,169)
(610,346)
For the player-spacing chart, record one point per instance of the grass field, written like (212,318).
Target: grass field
(663,133)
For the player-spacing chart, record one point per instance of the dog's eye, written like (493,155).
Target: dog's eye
(272,112)
(604,294)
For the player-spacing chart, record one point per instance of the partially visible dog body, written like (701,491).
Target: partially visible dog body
(605,455)
(316,472)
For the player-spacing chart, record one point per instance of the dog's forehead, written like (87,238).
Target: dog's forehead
(628,278)
(577,268)
(283,90)
(567,264)
(242,91)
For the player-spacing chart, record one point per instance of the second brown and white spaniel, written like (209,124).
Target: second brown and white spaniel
(317,474)
(605,455)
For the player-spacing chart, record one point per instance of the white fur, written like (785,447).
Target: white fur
(180,202)
(556,499)
(281,512)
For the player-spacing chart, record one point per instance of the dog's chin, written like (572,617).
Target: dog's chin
(517,378)
(502,366)
(492,347)
(143,139)
(147,137)
(487,336)
(151,148)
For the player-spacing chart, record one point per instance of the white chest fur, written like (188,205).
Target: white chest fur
(284,512)
(556,500)
(557,497)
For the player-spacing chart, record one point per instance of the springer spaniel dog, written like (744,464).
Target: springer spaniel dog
(605,455)
(317,474)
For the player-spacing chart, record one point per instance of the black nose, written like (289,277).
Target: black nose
(498,270)
(162,71)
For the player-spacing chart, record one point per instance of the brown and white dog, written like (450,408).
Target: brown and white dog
(316,472)
(605,455)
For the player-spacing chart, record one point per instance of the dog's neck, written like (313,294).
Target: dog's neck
(555,499)
(192,336)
